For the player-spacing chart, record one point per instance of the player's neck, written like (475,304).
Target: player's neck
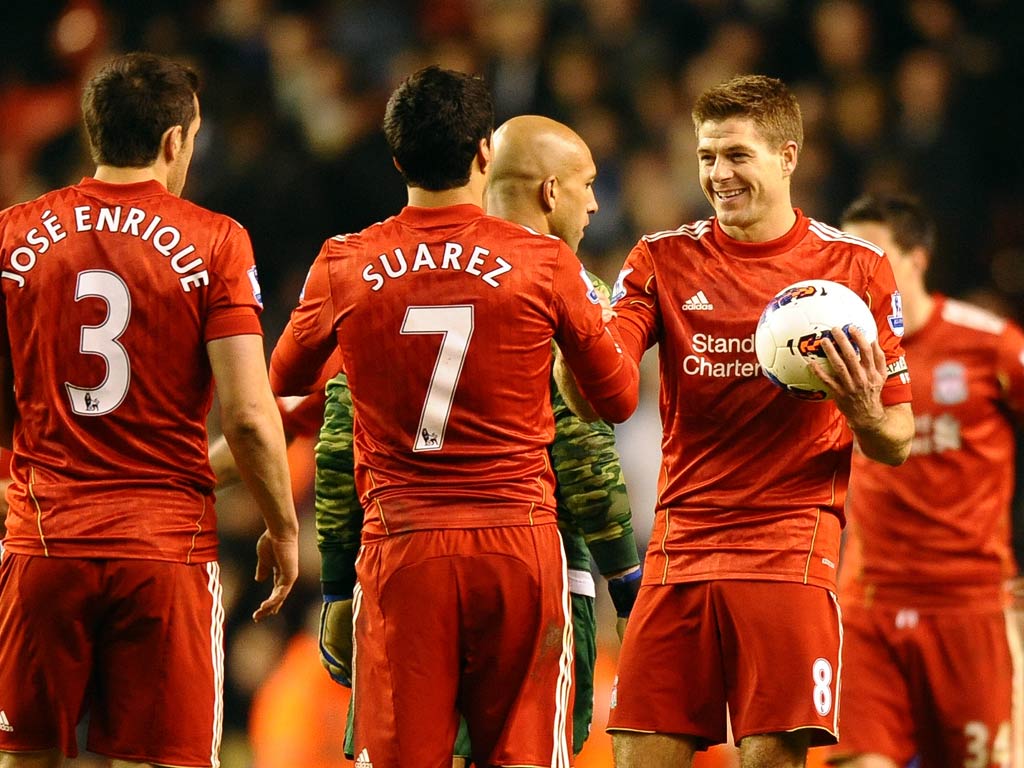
(522,210)
(765,229)
(918,305)
(471,194)
(424,198)
(114,175)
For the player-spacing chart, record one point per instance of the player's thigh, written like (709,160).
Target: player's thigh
(516,690)
(775,750)
(877,708)
(968,661)
(865,761)
(584,631)
(48,608)
(50,758)
(406,651)
(661,687)
(160,665)
(781,642)
(652,750)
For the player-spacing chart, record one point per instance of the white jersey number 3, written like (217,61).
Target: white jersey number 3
(455,324)
(102,340)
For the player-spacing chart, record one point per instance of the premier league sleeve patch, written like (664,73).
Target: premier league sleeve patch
(592,294)
(254,281)
(619,289)
(896,318)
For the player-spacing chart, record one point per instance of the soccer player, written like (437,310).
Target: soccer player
(444,317)
(926,652)
(541,177)
(121,305)
(737,604)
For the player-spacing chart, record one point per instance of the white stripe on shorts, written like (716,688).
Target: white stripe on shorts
(216,591)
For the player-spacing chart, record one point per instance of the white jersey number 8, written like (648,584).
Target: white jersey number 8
(102,340)
(455,324)
(821,671)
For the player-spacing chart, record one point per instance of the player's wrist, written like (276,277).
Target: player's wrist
(624,590)
(337,570)
(334,592)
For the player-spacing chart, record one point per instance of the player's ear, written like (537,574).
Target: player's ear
(171,143)
(920,257)
(483,154)
(789,154)
(549,193)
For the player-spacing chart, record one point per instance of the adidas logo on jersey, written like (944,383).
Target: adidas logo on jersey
(698,302)
(5,724)
(363,760)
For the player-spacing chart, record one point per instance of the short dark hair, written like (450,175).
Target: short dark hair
(129,104)
(765,100)
(434,123)
(905,216)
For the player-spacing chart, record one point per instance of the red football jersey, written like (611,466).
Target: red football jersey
(113,382)
(752,481)
(938,527)
(444,317)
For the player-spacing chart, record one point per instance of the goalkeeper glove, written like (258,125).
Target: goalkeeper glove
(336,638)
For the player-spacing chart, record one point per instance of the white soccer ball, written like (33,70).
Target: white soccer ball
(793,325)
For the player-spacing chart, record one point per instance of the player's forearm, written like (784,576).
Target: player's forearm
(339,515)
(223,464)
(590,489)
(257,442)
(887,437)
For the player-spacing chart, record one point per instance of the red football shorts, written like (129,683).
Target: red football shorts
(938,683)
(474,621)
(770,650)
(138,644)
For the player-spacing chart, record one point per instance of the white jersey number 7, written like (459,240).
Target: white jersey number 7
(455,324)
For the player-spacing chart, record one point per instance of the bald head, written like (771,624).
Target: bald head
(540,176)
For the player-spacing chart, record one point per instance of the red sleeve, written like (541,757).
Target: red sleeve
(300,357)
(302,416)
(887,308)
(234,298)
(635,299)
(607,378)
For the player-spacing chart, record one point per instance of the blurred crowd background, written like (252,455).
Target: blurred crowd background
(917,95)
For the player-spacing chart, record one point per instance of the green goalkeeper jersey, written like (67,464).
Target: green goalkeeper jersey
(593,509)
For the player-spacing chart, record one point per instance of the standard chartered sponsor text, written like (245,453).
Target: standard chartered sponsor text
(715,346)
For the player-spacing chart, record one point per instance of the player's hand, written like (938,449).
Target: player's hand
(280,557)
(857,379)
(336,640)
(605,300)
